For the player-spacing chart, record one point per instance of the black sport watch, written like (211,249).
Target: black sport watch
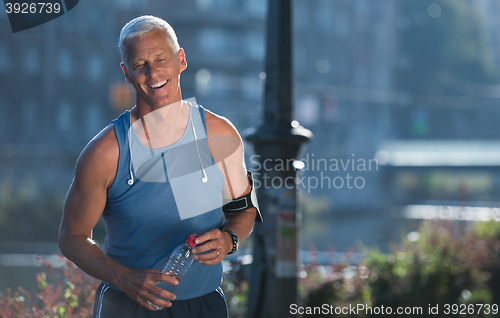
(235,239)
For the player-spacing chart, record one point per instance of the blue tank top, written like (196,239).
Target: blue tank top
(146,221)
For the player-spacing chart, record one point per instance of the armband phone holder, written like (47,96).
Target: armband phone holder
(244,202)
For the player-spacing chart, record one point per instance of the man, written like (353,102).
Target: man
(157,174)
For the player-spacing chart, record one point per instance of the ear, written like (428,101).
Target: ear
(125,72)
(181,56)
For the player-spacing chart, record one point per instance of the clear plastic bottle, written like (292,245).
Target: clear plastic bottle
(179,262)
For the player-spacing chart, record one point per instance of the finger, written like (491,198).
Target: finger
(154,303)
(154,275)
(167,278)
(157,289)
(211,261)
(158,297)
(150,302)
(216,243)
(208,236)
(213,254)
(205,248)
(211,258)
(159,292)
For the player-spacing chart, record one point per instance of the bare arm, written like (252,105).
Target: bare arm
(85,202)
(232,164)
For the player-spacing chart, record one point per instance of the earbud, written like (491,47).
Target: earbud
(131,180)
(205,178)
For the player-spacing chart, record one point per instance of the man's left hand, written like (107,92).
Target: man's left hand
(212,247)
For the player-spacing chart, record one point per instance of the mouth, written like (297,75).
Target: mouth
(158,85)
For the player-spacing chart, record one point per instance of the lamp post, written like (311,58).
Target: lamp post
(277,142)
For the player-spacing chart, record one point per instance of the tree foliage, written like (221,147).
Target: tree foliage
(444,266)
(443,46)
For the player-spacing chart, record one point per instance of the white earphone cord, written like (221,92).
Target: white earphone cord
(130,181)
(204,179)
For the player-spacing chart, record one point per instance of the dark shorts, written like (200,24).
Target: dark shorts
(110,303)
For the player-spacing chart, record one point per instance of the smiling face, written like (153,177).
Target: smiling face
(154,69)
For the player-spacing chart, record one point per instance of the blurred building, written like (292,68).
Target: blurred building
(62,83)
(54,94)
(489,10)
(345,58)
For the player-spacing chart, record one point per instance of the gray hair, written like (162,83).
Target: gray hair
(142,25)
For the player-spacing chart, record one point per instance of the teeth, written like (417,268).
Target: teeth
(158,84)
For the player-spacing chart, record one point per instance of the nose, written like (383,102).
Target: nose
(151,70)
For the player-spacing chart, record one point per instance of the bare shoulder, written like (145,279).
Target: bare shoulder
(99,159)
(223,139)
(219,125)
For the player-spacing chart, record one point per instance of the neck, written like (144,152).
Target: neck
(163,115)
(160,127)
(142,108)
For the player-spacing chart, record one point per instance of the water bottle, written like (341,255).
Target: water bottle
(179,262)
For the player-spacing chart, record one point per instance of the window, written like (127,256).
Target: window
(29,115)
(64,114)
(323,19)
(308,110)
(65,63)
(3,15)
(342,25)
(204,4)
(31,61)
(215,83)
(256,8)
(382,38)
(5,56)
(92,120)
(131,4)
(96,22)
(224,4)
(382,78)
(300,14)
(213,41)
(4,127)
(202,81)
(300,60)
(223,84)
(360,76)
(255,46)
(66,25)
(95,67)
(251,87)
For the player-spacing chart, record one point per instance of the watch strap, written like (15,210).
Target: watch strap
(234,239)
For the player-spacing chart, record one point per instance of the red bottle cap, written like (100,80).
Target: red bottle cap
(190,241)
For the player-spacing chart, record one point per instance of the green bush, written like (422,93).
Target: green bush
(65,293)
(442,268)
(69,293)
